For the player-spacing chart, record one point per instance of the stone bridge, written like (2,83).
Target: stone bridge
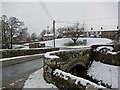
(67,61)
(73,61)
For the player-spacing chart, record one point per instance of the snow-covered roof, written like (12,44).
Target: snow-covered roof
(100,30)
(49,35)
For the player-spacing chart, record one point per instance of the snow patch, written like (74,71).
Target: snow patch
(47,55)
(108,74)
(109,49)
(36,80)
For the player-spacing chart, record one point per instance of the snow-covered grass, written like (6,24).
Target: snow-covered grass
(80,80)
(36,80)
(107,74)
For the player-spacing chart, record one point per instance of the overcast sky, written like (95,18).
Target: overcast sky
(92,14)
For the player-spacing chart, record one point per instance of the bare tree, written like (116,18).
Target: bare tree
(28,37)
(60,32)
(117,37)
(33,36)
(12,28)
(5,32)
(42,34)
(74,32)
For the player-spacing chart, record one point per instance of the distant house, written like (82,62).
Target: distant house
(95,33)
(102,33)
(49,36)
(109,34)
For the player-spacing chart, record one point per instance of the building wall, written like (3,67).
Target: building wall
(48,37)
(109,34)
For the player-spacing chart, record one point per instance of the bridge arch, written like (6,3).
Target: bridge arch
(77,63)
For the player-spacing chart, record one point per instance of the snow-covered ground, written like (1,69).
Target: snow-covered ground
(107,73)
(36,80)
(90,41)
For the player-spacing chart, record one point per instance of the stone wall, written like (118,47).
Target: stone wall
(23,52)
(64,60)
(107,58)
(117,47)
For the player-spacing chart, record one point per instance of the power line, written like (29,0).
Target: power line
(99,25)
(46,10)
(84,24)
(73,22)
(100,19)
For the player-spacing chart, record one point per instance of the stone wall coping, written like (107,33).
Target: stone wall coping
(47,55)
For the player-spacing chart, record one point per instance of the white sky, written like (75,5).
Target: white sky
(94,14)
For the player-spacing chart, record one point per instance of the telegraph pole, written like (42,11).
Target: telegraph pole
(11,38)
(54,31)
(47,29)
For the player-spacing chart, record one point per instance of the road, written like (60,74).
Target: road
(14,76)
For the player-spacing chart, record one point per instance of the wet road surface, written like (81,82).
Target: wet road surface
(14,76)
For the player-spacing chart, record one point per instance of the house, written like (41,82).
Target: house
(101,33)
(49,36)
(109,33)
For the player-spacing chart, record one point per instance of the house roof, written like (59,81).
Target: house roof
(49,35)
(101,30)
